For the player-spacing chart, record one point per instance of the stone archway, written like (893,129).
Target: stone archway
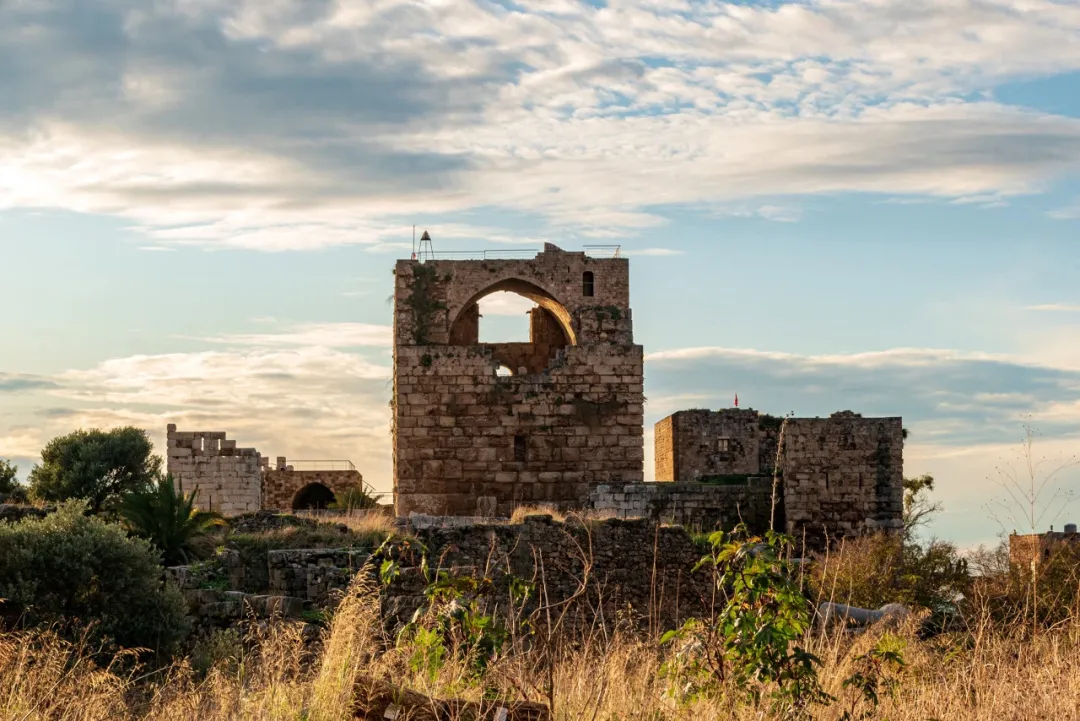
(313,496)
(554,318)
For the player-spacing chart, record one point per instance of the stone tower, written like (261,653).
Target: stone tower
(471,441)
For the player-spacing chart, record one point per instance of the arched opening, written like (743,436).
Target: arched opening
(504,318)
(587,285)
(312,496)
(549,325)
(503,371)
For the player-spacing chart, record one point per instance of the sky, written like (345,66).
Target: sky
(870,205)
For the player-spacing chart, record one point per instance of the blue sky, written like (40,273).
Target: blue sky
(827,205)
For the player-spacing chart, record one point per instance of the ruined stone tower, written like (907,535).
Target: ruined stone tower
(469,441)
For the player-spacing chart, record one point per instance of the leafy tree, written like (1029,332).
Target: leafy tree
(167,519)
(80,574)
(917,507)
(99,466)
(10,488)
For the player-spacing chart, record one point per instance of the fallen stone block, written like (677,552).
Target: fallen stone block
(375,700)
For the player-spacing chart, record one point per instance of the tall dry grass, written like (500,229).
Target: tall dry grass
(989,671)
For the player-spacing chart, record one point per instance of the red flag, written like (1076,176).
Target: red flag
(736,400)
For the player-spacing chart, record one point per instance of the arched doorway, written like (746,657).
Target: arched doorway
(312,496)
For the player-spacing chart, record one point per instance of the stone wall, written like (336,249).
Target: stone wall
(284,486)
(696,506)
(470,442)
(228,478)
(637,569)
(314,574)
(14,512)
(1034,548)
(841,475)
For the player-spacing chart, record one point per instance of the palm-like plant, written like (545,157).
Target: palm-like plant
(167,519)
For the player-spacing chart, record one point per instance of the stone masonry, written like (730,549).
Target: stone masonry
(286,487)
(840,476)
(228,479)
(1026,550)
(468,441)
(234,480)
(696,506)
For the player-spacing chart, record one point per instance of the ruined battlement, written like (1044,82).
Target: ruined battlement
(233,480)
(839,476)
(566,413)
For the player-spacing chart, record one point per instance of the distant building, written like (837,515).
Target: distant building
(1034,548)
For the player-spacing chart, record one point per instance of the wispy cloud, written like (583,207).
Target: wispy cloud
(296,125)
(325,335)
(1056,307)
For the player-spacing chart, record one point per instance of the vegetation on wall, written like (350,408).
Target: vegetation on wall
(421,303)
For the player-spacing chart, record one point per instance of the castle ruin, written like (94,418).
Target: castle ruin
(234,480)
(567,412)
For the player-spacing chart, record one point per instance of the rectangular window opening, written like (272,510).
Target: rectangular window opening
(723,445)
(520,449)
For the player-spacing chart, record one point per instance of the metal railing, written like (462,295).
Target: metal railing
(321,465)
(594,251)
(603,251)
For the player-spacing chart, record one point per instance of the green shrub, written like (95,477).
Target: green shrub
(76,572)
(167,519)
(353,498)
(871,571)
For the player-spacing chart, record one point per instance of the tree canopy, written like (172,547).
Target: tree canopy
(10,488)
(99,466)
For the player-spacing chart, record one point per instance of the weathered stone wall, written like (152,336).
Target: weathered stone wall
(1026,549)
(13,512)
(664,450)
(707,445)
(696,506)
(228,478)
(470,442)
(314,574)
(842,475)
(636,568)
(283,485)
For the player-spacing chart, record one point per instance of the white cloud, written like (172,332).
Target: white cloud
(304,125)
(1056,307)
(505,303)
(312,402)
(325,335)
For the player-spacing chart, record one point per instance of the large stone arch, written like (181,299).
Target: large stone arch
(314,495)
(467,312)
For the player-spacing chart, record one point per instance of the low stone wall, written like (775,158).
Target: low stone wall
(314,574)
(697,506)
(13,513)
(633,570)
(216,606)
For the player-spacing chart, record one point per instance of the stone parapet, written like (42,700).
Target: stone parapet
(696,506)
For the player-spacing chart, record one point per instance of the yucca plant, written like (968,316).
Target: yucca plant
(167,519)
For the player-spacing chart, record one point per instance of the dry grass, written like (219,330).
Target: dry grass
(987,673)
(520,512)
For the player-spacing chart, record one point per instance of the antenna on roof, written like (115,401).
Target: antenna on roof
(426,249)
